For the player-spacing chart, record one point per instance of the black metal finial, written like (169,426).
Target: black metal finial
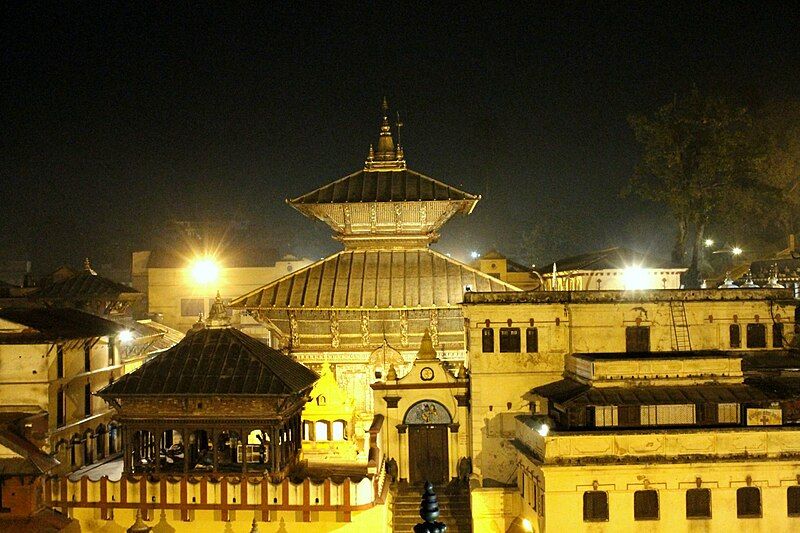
(429,512)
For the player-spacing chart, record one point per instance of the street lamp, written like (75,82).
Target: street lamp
(709,243)
(204,271)
(474,254)
(736,250)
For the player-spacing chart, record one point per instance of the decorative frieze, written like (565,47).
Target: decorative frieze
(294,330)
(404,328)
(398,217)
(434,327)
(365,329)
(334,320)
(373,217)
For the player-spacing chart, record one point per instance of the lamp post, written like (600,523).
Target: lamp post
(429,512)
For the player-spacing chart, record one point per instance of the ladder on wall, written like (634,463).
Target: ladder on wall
(680,326)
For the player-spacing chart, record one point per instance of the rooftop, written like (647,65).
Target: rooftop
(638,296)
(215,361)
(43,325)
(608,259)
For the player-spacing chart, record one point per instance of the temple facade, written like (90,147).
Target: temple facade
(377,297)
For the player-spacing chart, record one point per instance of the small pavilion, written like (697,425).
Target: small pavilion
(218,401)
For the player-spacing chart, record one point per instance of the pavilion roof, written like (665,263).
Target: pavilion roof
(215,361)
(43,325)
(85,285)
(356,279)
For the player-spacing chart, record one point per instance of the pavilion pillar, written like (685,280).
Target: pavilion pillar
(245,441)
(187,451)
(214,449)
(273,449)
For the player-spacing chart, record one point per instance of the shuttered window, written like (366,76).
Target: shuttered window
(728,413)
(667,415)
(532,340)
(605,415)
(748,502)
(698,503)
(510,340)
(756,336)
(487,340)
(777,335)
(595,506)
(793,501)
(637,339)
(735,336)
(645,505)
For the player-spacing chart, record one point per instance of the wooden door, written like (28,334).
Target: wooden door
(428,454)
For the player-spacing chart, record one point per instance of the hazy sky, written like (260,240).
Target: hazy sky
(118,117)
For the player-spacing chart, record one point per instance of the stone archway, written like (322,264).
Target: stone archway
(428,422)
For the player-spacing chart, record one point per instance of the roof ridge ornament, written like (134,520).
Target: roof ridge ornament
(87,267)
(218,315)
(387,156)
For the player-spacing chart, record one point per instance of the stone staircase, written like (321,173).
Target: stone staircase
(454,507)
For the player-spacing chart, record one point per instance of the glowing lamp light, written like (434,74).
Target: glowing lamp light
(634,278)
(526,525)
(736,250)
(543,430)
(204,271)
(709,243)
(125,336)
(474,254)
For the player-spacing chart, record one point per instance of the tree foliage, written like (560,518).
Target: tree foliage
(700,159)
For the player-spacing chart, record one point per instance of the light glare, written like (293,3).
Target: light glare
(205,271)
(634,278)
(474,255)
(709,243)
(736,250)
(526,525)
(543,430)
(125,336)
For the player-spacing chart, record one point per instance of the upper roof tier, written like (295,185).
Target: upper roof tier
(385,203)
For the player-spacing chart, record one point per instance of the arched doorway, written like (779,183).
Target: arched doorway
(428,422)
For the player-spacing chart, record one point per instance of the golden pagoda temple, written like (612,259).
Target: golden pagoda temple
(387,285)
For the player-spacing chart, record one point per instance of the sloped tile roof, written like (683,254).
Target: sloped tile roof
(85,285)
(374,278)
(383,186)
(50,325)
(610,258)
(215,361)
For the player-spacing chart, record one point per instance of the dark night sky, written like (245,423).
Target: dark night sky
(116,117)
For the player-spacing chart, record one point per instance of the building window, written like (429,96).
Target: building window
(87,400)
(321,431)
(532,340)
(337,430)
(3,508)
(59,361)
(735,335)
(777,335)
(307,430)
(605,415)
(756,336)
(793,501)
(667,415)
(510,340)
(191,306)
(60,408)
(629,415)
(637,339)
(87,357)
(487,339)
(748,502)
(645,505)
(595,506)
(698,503)
(728,413)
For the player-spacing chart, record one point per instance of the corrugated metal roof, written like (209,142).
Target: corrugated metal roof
(383,186)
(215,361)
(572,393)
(50,325)
(86,285)
(374,279)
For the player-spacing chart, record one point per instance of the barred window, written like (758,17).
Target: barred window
(510,340)
(606,415)
(748,502)
(756,336)
(59,361)
(645,505)
(532,340)
(793,501)
(728,413)
(735,336)
(698,503)
(595,506)
(487,338)
(87,400)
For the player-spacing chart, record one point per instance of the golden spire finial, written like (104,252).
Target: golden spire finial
(217,315)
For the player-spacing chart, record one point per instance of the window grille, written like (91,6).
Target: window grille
(510,340)
(637,339)
(698,503)
(487,339)
(793,501)
(532,340)
(756,336)
(748,502)
(605,415)
(728,413)
(595,506)
(645,505)
(735,336)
